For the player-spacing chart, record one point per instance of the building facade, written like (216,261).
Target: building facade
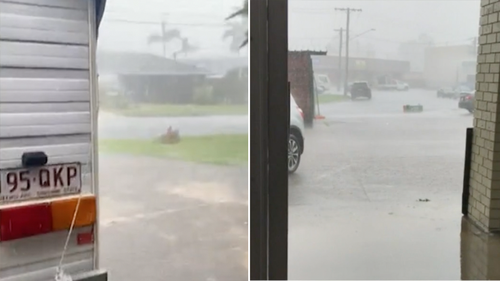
(449,66)
(360,69)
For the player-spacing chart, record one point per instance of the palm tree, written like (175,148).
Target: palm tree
(186,47)
(165,37)
(236,31)
(242,13)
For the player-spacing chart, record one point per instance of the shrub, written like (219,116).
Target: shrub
(203,96)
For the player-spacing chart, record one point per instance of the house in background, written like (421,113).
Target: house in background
(147,78)
(228,77)
(218,66)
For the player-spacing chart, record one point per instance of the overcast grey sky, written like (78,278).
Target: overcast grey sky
(312,22)
(128,23)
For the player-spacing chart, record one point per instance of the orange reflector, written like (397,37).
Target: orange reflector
(63,212)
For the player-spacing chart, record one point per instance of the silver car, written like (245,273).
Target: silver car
(296,140)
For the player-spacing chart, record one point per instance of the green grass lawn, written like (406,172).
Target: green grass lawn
(331,98)
(214,149)
(171,110)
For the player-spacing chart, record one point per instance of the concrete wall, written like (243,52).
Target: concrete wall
(484,200)
(479,254)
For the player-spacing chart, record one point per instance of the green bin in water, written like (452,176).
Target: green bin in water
(413,108)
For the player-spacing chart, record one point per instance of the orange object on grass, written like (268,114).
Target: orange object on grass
(63,212)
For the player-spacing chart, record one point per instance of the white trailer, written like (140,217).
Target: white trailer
(49,200)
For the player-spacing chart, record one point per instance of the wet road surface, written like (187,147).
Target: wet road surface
(378,192)
(169,220)
(119,127)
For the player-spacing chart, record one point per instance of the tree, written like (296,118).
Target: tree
(186,47)
(241,13)
(165,37)
(236,31)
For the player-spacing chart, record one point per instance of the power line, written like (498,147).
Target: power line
(341,33)
(174,13)
(348,11)
(389,21)
(206,24)
(381,39)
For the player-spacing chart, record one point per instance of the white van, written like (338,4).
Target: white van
(48,141)
(322,83)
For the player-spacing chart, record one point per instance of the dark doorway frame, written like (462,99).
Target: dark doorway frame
(269,131)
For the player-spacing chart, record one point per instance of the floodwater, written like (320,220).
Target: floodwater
(378,194)
(164,220)
(119,127)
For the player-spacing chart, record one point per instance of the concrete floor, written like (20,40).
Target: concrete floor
(168,220)
(378,193)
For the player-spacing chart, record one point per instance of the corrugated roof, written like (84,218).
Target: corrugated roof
(142,64)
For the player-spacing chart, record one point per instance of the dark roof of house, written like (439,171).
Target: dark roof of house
(127,63)
(218,66)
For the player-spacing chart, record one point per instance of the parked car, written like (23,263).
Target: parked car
(402,86)
(466,101)
(296,140)
(462,90)
(322,83)
(446,92)
(360,89)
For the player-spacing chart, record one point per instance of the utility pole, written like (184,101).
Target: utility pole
(163,31)
(346,77)
(341,35)
(164,19)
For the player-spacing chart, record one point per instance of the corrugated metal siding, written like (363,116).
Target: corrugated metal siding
(45,105)
(44,80)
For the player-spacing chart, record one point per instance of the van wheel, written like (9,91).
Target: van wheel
(294,153)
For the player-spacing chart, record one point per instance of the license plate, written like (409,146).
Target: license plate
(42,182)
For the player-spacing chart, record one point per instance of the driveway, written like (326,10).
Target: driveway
(169,220)
(378,193)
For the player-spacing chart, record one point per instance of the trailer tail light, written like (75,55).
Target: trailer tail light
(25,221)
(31,220)
(64,210)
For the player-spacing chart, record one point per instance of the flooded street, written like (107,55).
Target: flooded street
(164,220)
(119,127)
(378,194)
